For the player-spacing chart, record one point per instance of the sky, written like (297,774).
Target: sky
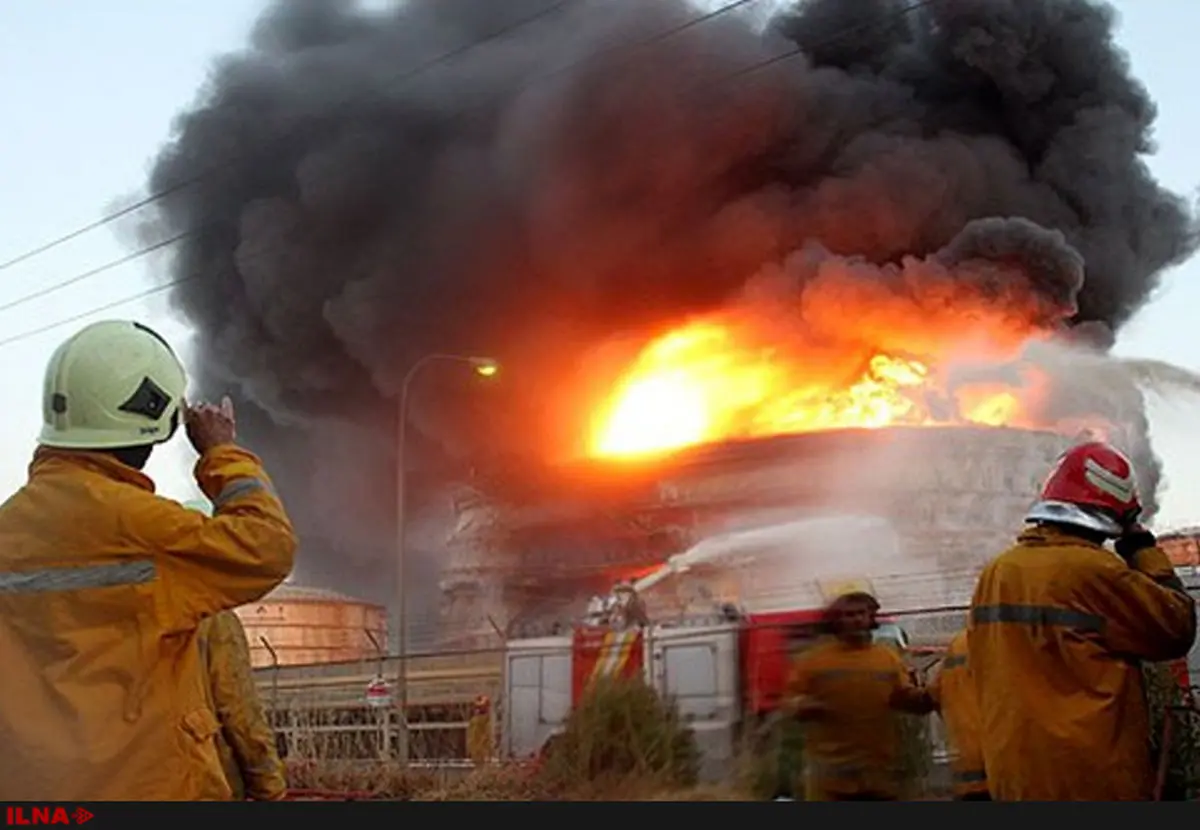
(88,91)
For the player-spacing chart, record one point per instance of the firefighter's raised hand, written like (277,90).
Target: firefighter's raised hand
(1134,540)
(210,426)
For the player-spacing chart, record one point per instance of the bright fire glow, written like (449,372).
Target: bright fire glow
(720,378)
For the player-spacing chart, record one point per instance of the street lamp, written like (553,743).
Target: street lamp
(484,367)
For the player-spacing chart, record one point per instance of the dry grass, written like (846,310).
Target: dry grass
(625,744)
(495,782)
(621,743)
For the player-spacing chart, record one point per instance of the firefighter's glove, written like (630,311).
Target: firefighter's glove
(1135,540)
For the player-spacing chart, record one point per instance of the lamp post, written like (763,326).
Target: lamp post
(484,367)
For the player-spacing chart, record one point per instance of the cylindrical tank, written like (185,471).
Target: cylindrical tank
(300,626)
(954,497)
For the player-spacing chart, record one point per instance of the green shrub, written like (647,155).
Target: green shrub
(1165,699)
(772,761)
(621,729)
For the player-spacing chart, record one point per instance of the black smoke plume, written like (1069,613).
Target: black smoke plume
(361,201)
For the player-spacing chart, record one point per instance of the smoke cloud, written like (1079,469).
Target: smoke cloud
(360,202)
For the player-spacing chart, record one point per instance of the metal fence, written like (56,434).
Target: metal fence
(324,712)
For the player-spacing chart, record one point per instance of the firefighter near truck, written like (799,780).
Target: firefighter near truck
(724,671)
(726,675)
(720,669)
(720,661)
(712,633)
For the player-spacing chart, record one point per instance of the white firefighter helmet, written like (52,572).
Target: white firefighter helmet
(112,384)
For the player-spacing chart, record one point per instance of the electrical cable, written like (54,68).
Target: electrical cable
(420,69)
(659,37)
(155,197)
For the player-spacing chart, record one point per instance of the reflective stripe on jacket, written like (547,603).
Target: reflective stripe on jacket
(852,747)
(102,586)
(1058,628)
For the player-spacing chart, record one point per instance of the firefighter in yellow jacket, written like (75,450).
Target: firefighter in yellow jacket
(1059,625)
(847,690)
(479,731)
(953,690)
(103,583)
(246,741)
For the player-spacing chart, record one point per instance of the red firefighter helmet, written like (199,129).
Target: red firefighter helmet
(1093,486)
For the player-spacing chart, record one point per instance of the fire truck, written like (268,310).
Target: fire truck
(721,673)
(725,670)
(724,667)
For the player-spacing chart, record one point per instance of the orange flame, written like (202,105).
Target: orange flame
(724,377)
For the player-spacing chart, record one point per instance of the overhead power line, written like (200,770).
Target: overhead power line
(99,223)
(158,289)
(739,74)
(404,76)
(657,38)
(420,69)
(108,266)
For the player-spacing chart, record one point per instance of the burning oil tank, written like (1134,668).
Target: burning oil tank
(954,497)
(300,626)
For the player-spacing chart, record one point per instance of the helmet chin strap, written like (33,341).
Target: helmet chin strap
(135,457)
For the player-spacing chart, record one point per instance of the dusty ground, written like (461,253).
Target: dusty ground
(494,783)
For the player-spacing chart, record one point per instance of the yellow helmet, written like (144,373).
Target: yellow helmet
(112,384)
(836,589)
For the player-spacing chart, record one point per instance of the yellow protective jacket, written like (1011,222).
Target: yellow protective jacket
(102,586)
(246,741)
(1058,629)
(479,737)
(953,689)
(852,745)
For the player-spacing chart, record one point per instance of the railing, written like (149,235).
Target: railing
(321,712)
(324,722)
(365,734)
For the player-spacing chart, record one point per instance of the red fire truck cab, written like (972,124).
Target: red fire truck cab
(722,674)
